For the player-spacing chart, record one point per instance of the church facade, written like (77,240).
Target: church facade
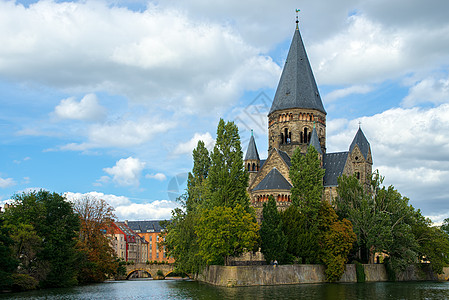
(297,119)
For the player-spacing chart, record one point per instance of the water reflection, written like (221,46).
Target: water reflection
(186,289)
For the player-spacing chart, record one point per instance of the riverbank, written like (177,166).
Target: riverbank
(237,276)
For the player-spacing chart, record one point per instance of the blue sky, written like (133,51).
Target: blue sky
(108,98)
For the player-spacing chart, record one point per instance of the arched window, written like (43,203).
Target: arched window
(301,138)
(306,135)
(309,136)
(249,167)
(286,136)
(254,167)
(282,138)
(357,174)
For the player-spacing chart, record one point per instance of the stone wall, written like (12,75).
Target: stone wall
(375,273)
(234,276)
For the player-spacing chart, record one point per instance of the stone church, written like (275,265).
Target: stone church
(297,119)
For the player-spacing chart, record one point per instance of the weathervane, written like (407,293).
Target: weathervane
(297,19)
(360,123)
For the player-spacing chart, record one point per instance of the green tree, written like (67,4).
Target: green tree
(55,222)
(7,262)
(273,239)
(227,178)
(307,175)
(196,182)
(381,219)
(225,231)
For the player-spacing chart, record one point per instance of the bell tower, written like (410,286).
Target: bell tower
(297,104)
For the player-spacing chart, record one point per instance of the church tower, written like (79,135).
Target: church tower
(297,105)
(360,158)
(252,160)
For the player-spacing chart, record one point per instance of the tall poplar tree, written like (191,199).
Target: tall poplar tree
(227,178)
(196,187)
(273,240)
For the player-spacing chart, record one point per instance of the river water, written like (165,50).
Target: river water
(186,289)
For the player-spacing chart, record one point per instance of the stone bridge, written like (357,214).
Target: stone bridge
(151,269)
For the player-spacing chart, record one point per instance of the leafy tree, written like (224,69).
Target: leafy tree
(336,241)
(273,239)
(307,175)
(196,187)
(55,222)
(224,231)
(96,256)
(7,262)
(227,178)
(381,218)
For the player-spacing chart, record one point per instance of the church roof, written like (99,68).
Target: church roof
(315,142)
(252,153)
(333,163)
(145,226)
(285,157)
(297,87)
(273,181)
(361,141)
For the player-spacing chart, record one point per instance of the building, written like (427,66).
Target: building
(151,232)
(297,119)
(126,243)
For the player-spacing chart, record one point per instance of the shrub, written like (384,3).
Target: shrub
(360,272)
(24,282)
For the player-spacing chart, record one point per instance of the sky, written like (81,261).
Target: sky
(108,98)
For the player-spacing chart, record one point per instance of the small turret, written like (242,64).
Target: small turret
(252,160)
(360,157)
(315,142)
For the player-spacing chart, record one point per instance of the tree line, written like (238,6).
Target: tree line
(216,221)
(47,241)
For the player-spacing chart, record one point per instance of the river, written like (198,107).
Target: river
(186,289)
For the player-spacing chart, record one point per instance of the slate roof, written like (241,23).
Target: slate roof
(334,164)
(297,87)
(273,181)
(145,226)
(262,162)
(285,157)
(252,153)
(362,142)
(315,142)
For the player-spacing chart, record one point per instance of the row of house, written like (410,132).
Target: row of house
(138,241)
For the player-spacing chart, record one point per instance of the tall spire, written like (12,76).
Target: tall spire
(297,87)
(361,141)
(252,153)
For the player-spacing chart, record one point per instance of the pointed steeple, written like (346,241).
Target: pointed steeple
(297,87)
(314,141)
(361,141)
(252,153)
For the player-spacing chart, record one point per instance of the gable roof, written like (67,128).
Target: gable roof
(297,87)
(334,164)
(315,142)
(361,141)
(273,181)
(145,226)
(285,157)
(252,153)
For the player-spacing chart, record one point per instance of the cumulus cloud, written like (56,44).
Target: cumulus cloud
(87,108)
(127,171)
(125,209)
(410,148)
(156,55)
(187,147)
(157,176)
(428,90)
(6,182)
(113,200)
(156,210)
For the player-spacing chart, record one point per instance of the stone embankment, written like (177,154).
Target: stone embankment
(234,276)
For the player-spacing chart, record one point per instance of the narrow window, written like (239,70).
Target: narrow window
(305,135)
(282,138)
(254,167)
(287,140)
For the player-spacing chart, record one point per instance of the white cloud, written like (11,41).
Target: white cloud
(341,93)
(187,147)
(156,210)
(87,108)
(127,171)
(159,55)
(6,182)
(113,200)
(157,176)
(431,90)
(410,148)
